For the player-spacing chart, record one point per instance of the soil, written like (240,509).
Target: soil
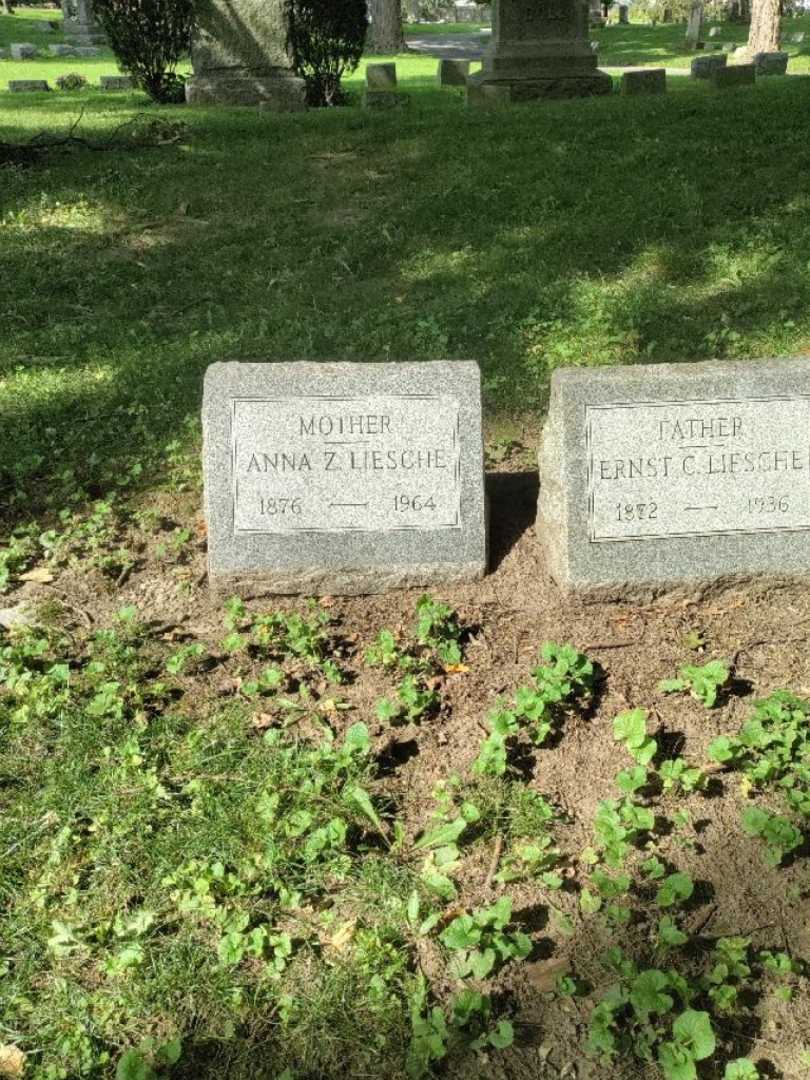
(763,630)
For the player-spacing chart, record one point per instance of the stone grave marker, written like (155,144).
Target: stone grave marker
(381,87)
(343,478)
(654,475)
(381,76)
(27,86)
(624,13)
(771,63)
(239,57)
(703,67)
(649,81)
(797,38)
(453,72)
(116,82)
(22,50)
(694,27)
(61,50)
(539,49)
(726,78)
(715,31)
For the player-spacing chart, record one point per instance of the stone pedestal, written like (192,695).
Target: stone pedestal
(540,49)
(79,24)
(239,57)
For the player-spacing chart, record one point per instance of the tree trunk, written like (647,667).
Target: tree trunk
(6,8)
(385,32)
(764,33)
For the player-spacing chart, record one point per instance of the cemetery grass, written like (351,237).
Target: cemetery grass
(151,887)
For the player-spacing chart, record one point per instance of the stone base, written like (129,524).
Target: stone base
(278,93)
(337,581)
(551,86)
(384,99)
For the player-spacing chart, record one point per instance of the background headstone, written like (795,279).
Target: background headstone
(649,81)
(116,82)
(343,478)
(453,72)
(27,86)
(239,56)
(22,50)
(703,67)
(381,76)
(539,50)
(694,27)
(726,78)
(623,15)
(79,23)
(656,474)
(771,63)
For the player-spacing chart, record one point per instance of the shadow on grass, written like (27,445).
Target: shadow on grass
(587,232)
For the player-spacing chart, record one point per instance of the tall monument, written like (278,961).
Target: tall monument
(540,49)
(79,24)
(239,56)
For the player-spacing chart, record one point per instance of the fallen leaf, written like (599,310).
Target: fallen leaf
(456,669)
(262,721)
(12,1061)
(40,575)
(343,935)
(543,974)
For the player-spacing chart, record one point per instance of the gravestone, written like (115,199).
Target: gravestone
(87,51)
(343,478)
(704,67)
(649,81)
(239,57)
(27,86)
(623,15)
(657,474)
(22,50)
(540,49)
(381,88)
(61,50)
(453,72)
(381,76)
(715,31)
(727,78)
(798,38)
(488,95)
(116,82)
(771,63)
(694,27)
(79,23)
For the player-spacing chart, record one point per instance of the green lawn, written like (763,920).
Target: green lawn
(589,232)
(169,870)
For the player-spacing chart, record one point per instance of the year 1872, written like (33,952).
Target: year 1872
(637,511)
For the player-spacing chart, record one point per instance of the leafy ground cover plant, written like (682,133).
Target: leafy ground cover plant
(772,750)
(703,682)
(563,677)
(481,942)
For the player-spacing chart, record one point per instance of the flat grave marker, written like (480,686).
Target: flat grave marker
(662,474)
(343,478)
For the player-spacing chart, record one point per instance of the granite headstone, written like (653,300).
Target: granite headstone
(343,478)
(661,474)
(239,56)
(647,81)
(540,49)
(726,78)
